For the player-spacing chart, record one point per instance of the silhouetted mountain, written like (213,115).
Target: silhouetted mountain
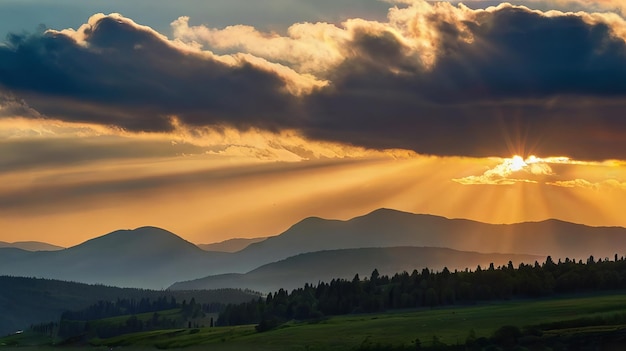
(389,228)
(31,246)
(146,257)
(313,267)
(155,258)
(26,301)
(231,245)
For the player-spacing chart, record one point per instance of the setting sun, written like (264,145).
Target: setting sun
(516,163)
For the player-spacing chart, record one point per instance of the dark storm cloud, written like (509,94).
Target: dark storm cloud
(11,106)
(127,76)
(502,81)
(523,83)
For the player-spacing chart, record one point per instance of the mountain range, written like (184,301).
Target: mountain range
(150,257)
(390,228)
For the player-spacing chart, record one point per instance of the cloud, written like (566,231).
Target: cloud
(308,47)
(501,174)
(585,184)
(497,85)
(39,144)
(608,6)
(27,154)
(538,170)
(10,106)
(588,5)
(434,78)
(115,72)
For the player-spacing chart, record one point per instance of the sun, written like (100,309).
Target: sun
(516,163)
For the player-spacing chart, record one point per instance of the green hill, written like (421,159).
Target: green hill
(400,329)
(26,301)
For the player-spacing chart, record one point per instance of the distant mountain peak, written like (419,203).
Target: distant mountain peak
(384,212)
(148,228)
(142,238)
(310,222)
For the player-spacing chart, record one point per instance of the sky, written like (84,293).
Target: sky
(222,119)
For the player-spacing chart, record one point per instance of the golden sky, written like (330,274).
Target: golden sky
(258,184)
(214,133)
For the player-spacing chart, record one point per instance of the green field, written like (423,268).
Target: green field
(450,325)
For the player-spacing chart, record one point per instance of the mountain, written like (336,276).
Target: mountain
(313,267)
(146,257)
(31,246)
(26,301)
(231,245)
(154,258)
(389,228)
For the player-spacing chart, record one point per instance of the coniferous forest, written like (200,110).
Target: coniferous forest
(427,289)
(417,290)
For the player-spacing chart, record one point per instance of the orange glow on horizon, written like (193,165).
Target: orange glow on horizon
(264,200)
(253,184)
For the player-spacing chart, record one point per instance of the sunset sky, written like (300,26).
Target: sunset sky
(220,119)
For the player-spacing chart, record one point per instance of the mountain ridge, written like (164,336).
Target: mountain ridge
(386,227)
(152,257)
(146,257)
(230,245)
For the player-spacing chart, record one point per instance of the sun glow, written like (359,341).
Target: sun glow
(516,163)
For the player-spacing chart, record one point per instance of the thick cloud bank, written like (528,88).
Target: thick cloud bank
(434,78)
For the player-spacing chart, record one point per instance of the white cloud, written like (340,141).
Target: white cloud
(503,173)
(585,184)
(540,171)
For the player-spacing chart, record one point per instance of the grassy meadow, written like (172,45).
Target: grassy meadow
(450,325)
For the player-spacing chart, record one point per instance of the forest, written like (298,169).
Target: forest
(425,289)
(164,313)
(428,289)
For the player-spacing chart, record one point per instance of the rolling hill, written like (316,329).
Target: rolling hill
(31,246)
(26,301)
(313,267)
(230,245)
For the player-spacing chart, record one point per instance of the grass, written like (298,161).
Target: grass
(26,338)
(450,325)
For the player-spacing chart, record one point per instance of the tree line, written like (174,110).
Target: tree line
(106,309)
(426,288)
(88,321)
(36,300)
